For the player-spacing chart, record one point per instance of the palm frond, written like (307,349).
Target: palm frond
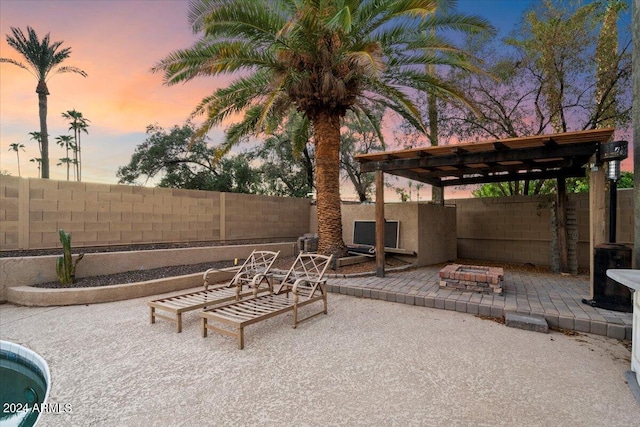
(471,24)
(341,20)
(210,58)
(364,114)
(300,132)
(17,63)
(70,69)
(256,22)
(396,100)
(42,56)
(247,127)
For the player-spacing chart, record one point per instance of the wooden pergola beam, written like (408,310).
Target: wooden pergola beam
(564,151)
(513,176)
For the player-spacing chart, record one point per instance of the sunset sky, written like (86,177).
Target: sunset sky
(117,42)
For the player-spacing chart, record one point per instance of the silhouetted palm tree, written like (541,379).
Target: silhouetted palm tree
(16,146)
(66,142)
(38,161)
(35,136)
(43,61)
(78,124)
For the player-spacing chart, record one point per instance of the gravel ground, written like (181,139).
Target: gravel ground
(366,363)
(123,248)
(281,263)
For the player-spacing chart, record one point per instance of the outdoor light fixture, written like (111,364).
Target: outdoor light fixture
(614,170)
(617,150)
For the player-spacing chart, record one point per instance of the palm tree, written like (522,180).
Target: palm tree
(66,142)
(16,146)
(43,61)
(419,185)
(35,136)
(38,161)
(78,124)
(323,58)
(66,161)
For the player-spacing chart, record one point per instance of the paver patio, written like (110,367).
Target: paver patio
(556,297)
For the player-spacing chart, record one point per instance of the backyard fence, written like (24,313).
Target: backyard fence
(32,210)
(512,229)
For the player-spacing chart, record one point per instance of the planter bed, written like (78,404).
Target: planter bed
(21,272)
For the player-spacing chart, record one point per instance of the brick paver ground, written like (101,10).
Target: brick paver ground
(555,297)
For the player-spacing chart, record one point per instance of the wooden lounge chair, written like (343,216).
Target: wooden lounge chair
(247,281)
(304,281)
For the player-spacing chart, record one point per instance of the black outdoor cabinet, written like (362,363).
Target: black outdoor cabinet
(607,293)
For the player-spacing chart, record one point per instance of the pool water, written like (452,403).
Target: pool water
(23,386)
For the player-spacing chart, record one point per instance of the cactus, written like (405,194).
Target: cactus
(65,266)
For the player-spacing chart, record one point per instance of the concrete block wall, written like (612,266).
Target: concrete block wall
(427,229)
(247,216)
(32,211)
(9,211)
(517,229)
(406,213)
(624,222)
(437,231)
(514,229)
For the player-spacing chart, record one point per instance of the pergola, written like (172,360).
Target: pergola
(556,156)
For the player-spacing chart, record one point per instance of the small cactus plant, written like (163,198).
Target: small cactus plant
(65,265)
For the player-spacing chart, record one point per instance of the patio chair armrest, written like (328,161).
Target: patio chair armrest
(312,284)
(259,279)
(205,276)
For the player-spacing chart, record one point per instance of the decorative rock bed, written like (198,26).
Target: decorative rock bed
(472,278)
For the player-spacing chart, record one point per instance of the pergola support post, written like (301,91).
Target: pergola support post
(597,215)
(561,226)
(379,223)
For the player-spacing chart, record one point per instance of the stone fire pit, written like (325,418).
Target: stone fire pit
(472,278)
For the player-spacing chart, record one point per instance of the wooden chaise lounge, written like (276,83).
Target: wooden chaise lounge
(304,281)
(246,282)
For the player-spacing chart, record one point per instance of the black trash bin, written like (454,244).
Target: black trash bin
(607,293)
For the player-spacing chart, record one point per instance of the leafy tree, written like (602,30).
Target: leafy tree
(16,146)
(323,58)
(626,180)
(555,80)
(607,62)
(573,185)
(165,154)
(43,61)
(78,124)
(286,159)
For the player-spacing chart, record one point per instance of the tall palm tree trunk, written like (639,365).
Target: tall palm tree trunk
(67,146)
(42,92)
(326,127)
(79,159)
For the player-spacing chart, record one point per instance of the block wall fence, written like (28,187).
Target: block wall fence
(514,229)
(32,210)
(519,229)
